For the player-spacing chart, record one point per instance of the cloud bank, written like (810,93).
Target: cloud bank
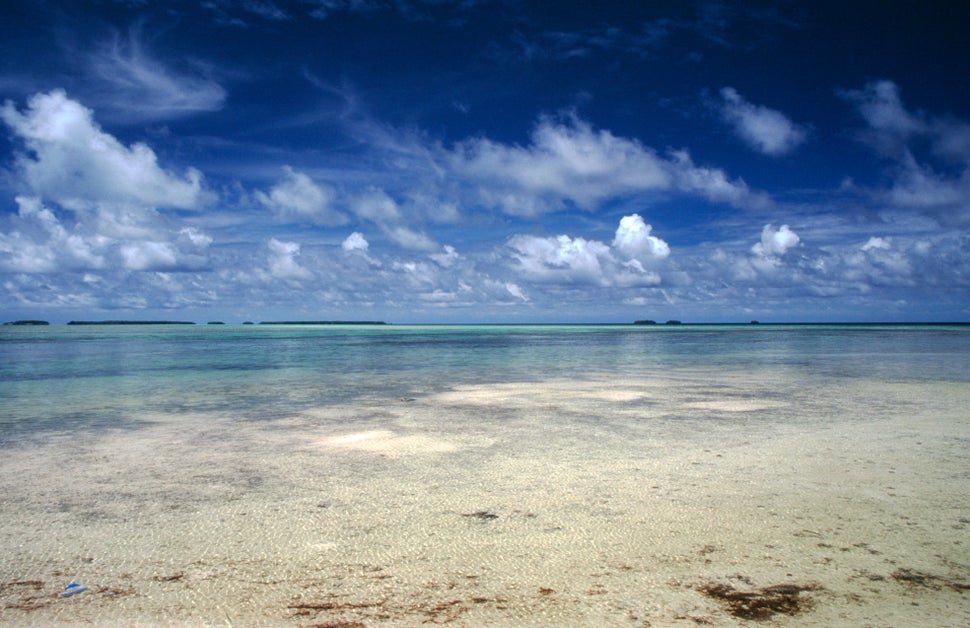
(104,224)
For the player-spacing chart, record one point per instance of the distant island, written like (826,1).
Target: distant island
(28,322)
(323,323)
(650,322)
(130,323)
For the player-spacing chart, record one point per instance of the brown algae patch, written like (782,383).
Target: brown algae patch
(764,603)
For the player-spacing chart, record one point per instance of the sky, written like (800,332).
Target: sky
(476,161)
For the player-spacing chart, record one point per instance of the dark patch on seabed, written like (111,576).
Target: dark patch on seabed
(930,581)
(762,604)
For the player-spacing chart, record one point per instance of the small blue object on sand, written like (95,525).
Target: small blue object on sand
(73,589)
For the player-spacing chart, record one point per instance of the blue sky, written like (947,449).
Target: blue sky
(484,161)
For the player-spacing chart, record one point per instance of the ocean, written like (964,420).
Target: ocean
(485,475)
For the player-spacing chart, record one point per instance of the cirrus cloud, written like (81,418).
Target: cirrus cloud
(134,85)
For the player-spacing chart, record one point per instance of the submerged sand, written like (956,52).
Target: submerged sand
(694,500)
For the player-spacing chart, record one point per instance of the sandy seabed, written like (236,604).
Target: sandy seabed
(700,499)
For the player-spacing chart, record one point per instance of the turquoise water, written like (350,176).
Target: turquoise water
(70,378)
(483,475)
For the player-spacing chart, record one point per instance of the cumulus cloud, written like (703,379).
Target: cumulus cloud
(561,258)
(633,239)
(516,291)
(409,238)
(298,198)
(108,194)
(567,260)
(43,243)
(571,162)
(282,261)
(775,242)
(876,244)
(187,251)
(355,242)
(447,257)
(148,255)
(763,129)
(134,85)
(76,164)
(356,246)
(378,207)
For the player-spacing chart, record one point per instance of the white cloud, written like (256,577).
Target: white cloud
(763,129)
(876,244)
(775,242)
(77,164)
(356,246)
(574,163)
(713,184)
(378,207)
(44,244)
(561,259)
(133,85)
(447,257)
(282,261)
(148,255)
(566,260)
(409,238)
(375,205)
(881,106)
(516,291)
(418,275)
(355,242)
(297,198)
(634,240)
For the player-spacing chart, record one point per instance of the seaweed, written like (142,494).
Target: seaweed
(762,604)
(30,596)
(481,515)
(930,581)
(442,612)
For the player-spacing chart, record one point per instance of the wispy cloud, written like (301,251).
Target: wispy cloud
(934,182)
(135,85)
(765,130)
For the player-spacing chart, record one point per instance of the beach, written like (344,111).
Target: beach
(692,496)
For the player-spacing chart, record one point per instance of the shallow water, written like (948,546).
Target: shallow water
(503,475)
